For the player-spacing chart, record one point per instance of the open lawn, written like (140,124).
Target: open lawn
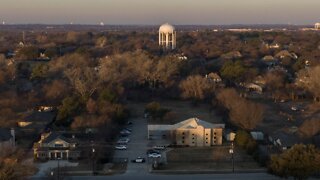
(208,158)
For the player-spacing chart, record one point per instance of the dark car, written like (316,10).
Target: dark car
(138,160)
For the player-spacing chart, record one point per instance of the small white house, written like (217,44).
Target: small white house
(257,135)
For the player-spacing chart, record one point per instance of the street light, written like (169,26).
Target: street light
(231,151)
(93,150)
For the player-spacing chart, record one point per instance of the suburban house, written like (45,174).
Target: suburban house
(257,135)
(229,135)
(213,77)
(283,140)
(54,145)
(270,60)
(191,132)
(7,138)
(284,53)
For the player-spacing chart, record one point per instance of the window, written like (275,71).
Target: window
(182,137)
(192,142)
(58,145)
(193,138)
(206,138)
(182,133)
(207,134)
(192,134)
(182,142)
(206,142)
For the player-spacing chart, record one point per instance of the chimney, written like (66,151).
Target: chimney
(13,137)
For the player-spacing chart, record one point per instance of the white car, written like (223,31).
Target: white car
(123,141)
(159,147)
(125,132)
(294,108)
(154,155)
(121,147)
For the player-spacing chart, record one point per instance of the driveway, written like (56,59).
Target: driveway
(45,168)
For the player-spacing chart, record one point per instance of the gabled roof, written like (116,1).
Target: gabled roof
(40,117)
(54,136)
(191,123)
(5,134)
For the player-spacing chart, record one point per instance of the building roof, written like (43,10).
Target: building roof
(40,117)
(191,123)
(285,139)
(166,28)
(55,135)
(5,134)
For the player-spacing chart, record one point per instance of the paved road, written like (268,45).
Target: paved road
(242,176)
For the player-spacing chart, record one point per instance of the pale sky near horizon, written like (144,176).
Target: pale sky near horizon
(145,12)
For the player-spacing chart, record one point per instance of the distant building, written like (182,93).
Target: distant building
(283,140)
(56,146)
(317,26)
(191,132)
(167,36)
(214,77)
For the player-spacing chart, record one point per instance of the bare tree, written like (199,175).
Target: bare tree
(275,82)
(196,87)
(309,79)
(310,128)
(242,112)
(84,80)
(56,90)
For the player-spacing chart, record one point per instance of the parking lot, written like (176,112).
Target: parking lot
(137,147)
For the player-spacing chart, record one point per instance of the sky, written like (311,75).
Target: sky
(153,12)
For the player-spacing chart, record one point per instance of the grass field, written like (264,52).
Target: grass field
(212,158)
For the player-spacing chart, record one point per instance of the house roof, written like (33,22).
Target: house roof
(285,138)
(40,117)
(55,135)
(5,134)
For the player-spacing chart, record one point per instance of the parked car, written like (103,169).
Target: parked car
(294,108)
(125,132)
(159,148)
(123,141)
(128,129)
(150,151)
(120,147)
(154,155)
(138,160)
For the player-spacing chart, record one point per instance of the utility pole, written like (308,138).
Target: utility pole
(231,151)
(93,150)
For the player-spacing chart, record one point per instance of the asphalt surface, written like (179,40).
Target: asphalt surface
(242,176)
(137,147)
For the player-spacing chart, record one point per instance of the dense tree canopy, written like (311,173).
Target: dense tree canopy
(299,162)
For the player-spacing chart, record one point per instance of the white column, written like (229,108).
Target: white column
(173,40)
(167,40)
